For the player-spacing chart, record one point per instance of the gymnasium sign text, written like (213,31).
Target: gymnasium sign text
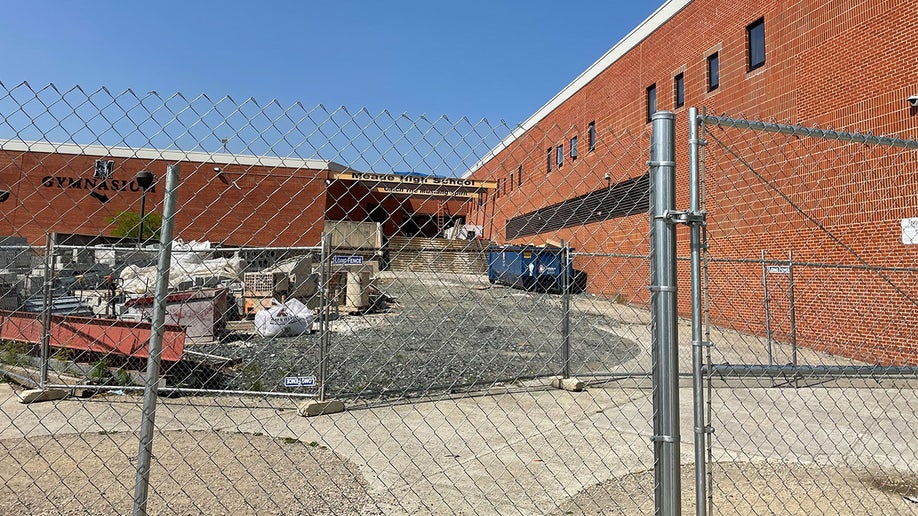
(86,183)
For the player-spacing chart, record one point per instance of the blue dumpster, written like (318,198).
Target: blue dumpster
(528,267)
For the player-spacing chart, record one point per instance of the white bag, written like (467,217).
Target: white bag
(291,318)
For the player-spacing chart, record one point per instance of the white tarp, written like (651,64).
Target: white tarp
(187,264)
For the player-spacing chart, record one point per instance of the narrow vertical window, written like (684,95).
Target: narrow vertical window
(651,101)
(511,181)
(559,155)
(548,163)
(574,147)
(713,71)
(679,87)
(755,37)
(519,176)
(592,136)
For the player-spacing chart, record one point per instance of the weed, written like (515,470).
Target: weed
(62,354)
(99,371)
(10,352)
(620,299)
(123,377)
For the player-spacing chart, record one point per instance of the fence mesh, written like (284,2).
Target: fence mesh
(472,295)
(810,301)
(321,256)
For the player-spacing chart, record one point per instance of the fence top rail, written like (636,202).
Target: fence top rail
(813,132)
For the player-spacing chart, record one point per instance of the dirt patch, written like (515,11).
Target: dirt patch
(761,488)
(192,473)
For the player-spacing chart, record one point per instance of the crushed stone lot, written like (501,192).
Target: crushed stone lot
(442,332)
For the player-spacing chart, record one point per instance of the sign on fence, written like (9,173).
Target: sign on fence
(347,260)
(300,381)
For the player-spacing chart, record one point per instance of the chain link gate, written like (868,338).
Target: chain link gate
(810,273)
(488,334)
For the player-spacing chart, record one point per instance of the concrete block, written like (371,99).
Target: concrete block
(317,408)
(36,395)
(568,384)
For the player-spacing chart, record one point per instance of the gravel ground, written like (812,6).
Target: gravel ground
(443,332)
(192,473)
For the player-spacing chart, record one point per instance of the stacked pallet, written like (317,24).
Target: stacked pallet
(437,255)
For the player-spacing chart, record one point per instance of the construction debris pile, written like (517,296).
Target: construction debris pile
(108,293)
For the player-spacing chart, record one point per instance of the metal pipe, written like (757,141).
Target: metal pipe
(793,309)
(187,390)
(151,386)
(767,309)
(798,130)
(324,300)
(666,438)
(47,301)
(747,370)
(565,310)
(698,343)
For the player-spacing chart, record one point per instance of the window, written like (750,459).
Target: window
(679,86)
(503,186)
(651,101)
(574,147)
(592,136)
(548,164)
(713,71)
(511,181)
(559,155)
(755,36)
(519,176)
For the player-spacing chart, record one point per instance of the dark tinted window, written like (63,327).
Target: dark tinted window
(713,71)
(679,85)
(755,33)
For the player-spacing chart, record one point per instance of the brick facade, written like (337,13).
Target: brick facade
(849,65)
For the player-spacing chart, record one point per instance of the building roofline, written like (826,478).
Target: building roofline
(171,155)
(625,45)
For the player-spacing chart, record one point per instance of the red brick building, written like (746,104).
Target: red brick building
(238,200)
(850,65)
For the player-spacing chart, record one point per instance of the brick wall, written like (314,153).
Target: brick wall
(243,205)
(843,64)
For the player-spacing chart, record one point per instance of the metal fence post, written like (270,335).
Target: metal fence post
(151,385)
(793,313)
(325,295)
(698,342)
(565,310)
(47,299)
(667,488)
(767,308)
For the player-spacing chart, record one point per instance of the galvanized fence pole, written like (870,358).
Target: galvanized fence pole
(47,286)
(696,218)
(151,385)
(793,314)
(565,310)
(767,309)
(667,487)
(325,295)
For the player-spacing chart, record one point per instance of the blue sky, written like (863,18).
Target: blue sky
(499,60)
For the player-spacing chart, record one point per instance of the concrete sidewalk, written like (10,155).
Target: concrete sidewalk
(516,450)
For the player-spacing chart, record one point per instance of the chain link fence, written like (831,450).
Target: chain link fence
(319,259)
(463,305)
(811,268)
